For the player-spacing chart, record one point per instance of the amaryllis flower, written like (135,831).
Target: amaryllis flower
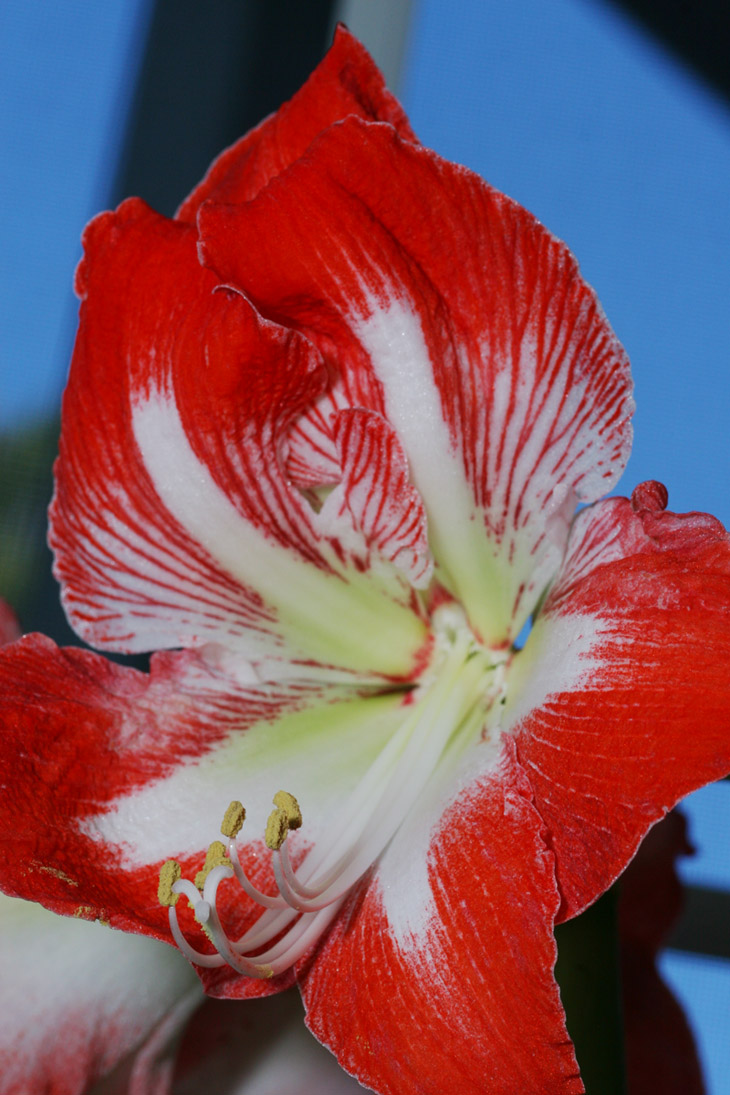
(323,439)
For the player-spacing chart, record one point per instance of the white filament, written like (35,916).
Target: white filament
(452,701)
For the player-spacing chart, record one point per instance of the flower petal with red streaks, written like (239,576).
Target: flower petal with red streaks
(441,304)
(620,696)
(76,998)
(116,771)
(173,521)
(346,82)
(473,967)
(376,497)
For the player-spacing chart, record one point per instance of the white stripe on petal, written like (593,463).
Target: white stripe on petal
(76,997)
(318,753)
(342,619)
(393,338)
(403,871)
(558,657)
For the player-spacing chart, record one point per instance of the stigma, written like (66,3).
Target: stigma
(451,706)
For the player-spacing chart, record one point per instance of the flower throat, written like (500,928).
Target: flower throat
(451,707)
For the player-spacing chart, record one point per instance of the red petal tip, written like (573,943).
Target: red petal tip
(650,496)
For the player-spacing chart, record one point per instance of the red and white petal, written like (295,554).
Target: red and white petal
(256,1047)
(115,772)
(619,700)
(346,82)
(375,499)
(455,314)
(76,998)
(453,934)
(173,521)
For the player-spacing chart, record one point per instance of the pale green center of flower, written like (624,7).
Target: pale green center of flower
(455,702)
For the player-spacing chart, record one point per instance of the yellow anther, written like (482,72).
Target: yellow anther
(170,872)
(290,806)
(215,857)
(233,819)
(277,828)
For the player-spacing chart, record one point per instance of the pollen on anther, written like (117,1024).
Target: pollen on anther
(290,806)
(170,872)
(205,928)
(277,828)
(233,819)
(215,856)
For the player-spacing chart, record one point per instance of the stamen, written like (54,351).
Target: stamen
(450,710)
(186,888)
(209,961)
(233,820)
(277,829)
(170,872)
(266,928)
(215,856)
(219,938)
(290,806)
(285,816)
(245,883)
(295,885)
(297,942)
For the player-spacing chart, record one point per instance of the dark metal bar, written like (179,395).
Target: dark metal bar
(696,31)
(211,72)
(704,927)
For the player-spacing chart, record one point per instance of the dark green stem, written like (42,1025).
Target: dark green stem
(590,984)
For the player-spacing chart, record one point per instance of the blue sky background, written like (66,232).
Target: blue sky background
(66,80)
(565,106)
